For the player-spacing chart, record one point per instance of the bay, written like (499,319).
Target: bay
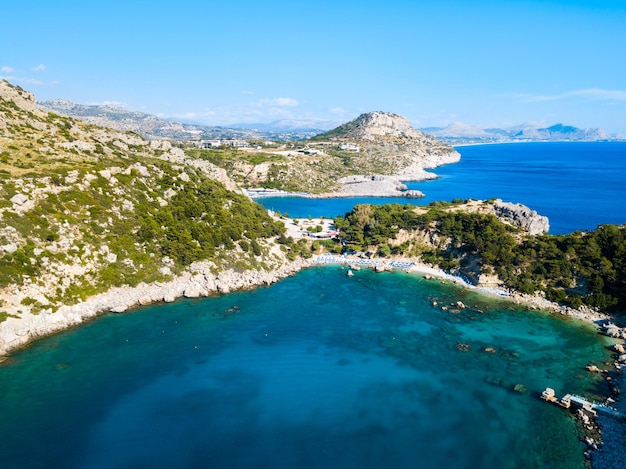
(577,185)
(319,370)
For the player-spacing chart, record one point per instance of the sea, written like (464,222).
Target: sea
(577,185)
(319,370)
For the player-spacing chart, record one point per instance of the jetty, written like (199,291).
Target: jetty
(590,408)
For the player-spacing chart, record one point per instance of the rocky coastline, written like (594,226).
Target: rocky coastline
(199,281)
(355,186)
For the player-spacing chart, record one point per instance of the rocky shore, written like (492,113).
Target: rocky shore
(356,186)
(198,281)
(604,438)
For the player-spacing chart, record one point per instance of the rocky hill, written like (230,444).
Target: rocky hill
(84,210)
(369,156)
(389,141)
(497,244)
(147,125)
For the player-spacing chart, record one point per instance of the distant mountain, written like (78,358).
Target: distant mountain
(458,130)
(458,133)
(562,132)
(307,125)
(153,127)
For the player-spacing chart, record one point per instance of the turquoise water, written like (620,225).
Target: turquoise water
(576,185)
(317,371)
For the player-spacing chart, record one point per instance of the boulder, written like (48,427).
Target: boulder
(19,199)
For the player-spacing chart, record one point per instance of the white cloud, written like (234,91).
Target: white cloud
(203,116)
(39,68)
(7,69)
(262,110)
(187,115)
(282,102)
(247,92)
(337,110)
(592,94)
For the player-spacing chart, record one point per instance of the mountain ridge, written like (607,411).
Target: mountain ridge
(458,133)
(154,127)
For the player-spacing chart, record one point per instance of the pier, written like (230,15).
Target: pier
(588,407)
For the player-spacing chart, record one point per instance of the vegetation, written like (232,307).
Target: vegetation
(313,167)
(579,268)
(103,209)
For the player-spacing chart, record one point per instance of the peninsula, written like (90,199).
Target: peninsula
(369,156)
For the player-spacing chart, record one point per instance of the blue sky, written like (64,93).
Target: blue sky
(486,63)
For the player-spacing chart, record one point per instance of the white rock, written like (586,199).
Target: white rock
(19,200)
(169,297)
(192,291)
(9,248)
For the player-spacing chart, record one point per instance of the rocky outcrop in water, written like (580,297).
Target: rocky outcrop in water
(521,216)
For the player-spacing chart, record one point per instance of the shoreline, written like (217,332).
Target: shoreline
(591,317)
(356,186)
(608,454)
(198,281)
(507,142)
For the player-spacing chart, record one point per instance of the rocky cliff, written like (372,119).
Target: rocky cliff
(521,216)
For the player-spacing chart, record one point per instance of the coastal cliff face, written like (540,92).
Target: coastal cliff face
(84,210)
(517,215)
(522,216)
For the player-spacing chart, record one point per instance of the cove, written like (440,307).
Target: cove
(318,370)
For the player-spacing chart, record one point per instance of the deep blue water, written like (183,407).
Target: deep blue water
(576,185)
(317,371)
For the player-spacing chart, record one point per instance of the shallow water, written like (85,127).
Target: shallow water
(319,370)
